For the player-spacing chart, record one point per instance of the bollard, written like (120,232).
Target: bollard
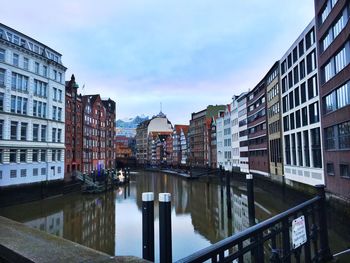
(322,215)
(250,195)
(165,242)
(148,226)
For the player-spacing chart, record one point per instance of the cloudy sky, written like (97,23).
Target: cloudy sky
(184,53)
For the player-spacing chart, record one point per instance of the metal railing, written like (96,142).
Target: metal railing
(270,240)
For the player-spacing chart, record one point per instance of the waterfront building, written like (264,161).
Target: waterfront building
(243,133)
(200,134)
(301,127)
(332,31)
(213,144)
(274,122)
(122,149)
(257,130)
(109,106)
(179,152)
(146,135)
(94,134)
(223,137)
(32,110)
(169,150)
(235,134)
(73,129)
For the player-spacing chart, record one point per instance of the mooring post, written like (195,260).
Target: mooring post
(250,195)
(322,214)
(165,241)
(148,226)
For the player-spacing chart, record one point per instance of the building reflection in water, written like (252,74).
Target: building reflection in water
(52,224)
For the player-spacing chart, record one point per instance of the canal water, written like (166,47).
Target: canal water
(112,222)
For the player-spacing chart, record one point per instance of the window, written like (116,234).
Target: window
(14,130)
(344,135)
(19,82)
(300,149)
(35,155)
(43,156)
(294,153)
(13,173)
(58,155)
(43,171)
(36,67)
(314,115)
(284,84)
(316,147)
(344,170)
(13,155)
(287,149)
(15,59)
(59,114)
(43,133)
(290,79)
(1,129)
(302,69)
(35,132)
(53,155)
(306,148)
(60,77)
(310,38)
(301,48)
(297,119)
(286,123)
(40,88)
(22,155)
(1,101)
(311,61)
(296,74)
(26,63)
(2,77)
(291,100)
(289,60)
(304,116)
(44,71)
(330,138)
(303,92)
(312,87)
(23,172)
(35,171)
(54,110)
(54,94)
(2,55)
(292,127)
(53,134)
(60,95)
(24,127)
(330,169)
(296,97)
(54,74)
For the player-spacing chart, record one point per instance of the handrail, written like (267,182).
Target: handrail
(231,241)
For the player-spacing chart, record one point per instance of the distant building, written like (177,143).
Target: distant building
(110,108)
(179,154)
(274,120)
(200,134)
(213,144)
(223,134)
(243,133)
(257,130)
(122,148)
(146,133)
(32,110)
(235,134)
(332,31)
(302,142)
(73,129)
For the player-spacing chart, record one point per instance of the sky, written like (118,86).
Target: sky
(183,54)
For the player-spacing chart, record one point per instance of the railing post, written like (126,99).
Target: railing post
(324,244)
(250,195)
(147,226)
(165,242)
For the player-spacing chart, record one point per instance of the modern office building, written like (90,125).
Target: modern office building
(257,130)
(302,144)
(32,110)
(73,129)
(274,123)
(243,133)
(332,32)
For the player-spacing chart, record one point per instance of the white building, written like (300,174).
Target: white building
(223,133)
(235,134)
(243,132)
(32,109)
(302,144)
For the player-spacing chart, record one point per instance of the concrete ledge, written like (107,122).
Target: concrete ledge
(19,243)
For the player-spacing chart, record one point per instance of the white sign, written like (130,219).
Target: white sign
(298,232)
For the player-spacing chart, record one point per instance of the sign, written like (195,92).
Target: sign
(298,232)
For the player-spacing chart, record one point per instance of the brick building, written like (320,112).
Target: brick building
(333,43)
(109,106)
(73,129)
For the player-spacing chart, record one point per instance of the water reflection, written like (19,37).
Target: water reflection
(111,222)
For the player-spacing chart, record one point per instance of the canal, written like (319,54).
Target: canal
(112,222)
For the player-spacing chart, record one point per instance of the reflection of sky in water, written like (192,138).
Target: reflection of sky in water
(128,232)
